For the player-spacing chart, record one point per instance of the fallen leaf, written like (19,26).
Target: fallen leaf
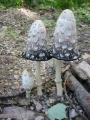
(66,68)
(57,112)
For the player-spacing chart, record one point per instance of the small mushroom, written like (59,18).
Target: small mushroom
(36,49)
(64,44)
(27,81)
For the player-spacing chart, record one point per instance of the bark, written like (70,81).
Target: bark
(78,72)
(86,57)
(88,60)
(82,96)
(85,67)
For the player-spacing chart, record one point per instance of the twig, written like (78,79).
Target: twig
(84,41)
(85,50)
(71,103)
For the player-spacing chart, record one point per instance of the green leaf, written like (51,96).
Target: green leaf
(57,112)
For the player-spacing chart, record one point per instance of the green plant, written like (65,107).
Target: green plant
(11,3)
(83,13)
(11,33)
(59,4)
(2,7)
(56,14)
(81,7)
(49,23)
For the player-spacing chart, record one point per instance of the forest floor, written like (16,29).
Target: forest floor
(14,26)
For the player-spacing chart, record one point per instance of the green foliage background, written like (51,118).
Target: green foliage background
(80,7)
(59,4)
(11,3)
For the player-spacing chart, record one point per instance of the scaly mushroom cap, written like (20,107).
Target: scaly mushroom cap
(27,79)
(65,38)
(36,46)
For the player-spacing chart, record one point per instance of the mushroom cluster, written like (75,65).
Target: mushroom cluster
(64,46)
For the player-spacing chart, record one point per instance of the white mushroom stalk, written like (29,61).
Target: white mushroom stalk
(58,79)
(38,79)
(64,44)
(37,49)
(27,82)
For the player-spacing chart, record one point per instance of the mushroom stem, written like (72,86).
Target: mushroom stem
(58,79)
(28,94)
(38,79)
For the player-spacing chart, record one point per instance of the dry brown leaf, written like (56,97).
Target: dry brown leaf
(69,85)
(65,69)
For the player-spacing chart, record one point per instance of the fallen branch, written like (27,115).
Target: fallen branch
(72,104)
(85,67)
(85,50)
(78,72)
(82,96)
(88,60)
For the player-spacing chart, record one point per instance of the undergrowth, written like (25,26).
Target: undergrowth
(79,7)
(58,4)
(83,13)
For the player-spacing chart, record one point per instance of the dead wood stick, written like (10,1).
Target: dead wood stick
(86,41)
(82,96)
(85,50)
(88,60)
(78,72)
(71,103)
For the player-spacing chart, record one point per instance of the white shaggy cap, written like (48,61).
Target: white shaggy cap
(27,79)
(66,27)
(36,44)
(37,31)
(36,36)
(65,37)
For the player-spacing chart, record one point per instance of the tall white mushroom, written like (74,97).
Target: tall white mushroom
(36,49)
(64,44)
(27,81)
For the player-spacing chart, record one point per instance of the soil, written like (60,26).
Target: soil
(14,26)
